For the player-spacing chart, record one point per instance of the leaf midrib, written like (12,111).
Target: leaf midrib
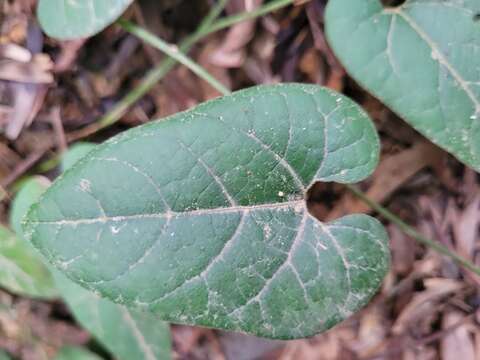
(299,205)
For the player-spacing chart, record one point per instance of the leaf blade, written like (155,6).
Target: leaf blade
(216,205)
(75,153)
(65,20)
(423,72)
(22,270)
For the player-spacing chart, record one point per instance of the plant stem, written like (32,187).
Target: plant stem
(212,15)
(173,52)
(410,231)
(149,80)
(207,27)
(248,15)
(204,30)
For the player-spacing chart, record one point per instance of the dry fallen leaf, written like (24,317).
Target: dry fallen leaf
(371,333)
(403,250)
(28,99)
(257,66)
(392,172)
(466,228)
(36,70)
(457,344)
(219,73)
(232,53)
(326,346)
(68,54)
(27,77)
(425,302)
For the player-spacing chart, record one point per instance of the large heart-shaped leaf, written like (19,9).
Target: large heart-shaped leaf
(421,59)
(202,217)
(70,19)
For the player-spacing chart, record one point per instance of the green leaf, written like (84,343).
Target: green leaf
(75,153)
(68,19)
(127,334)
(76,353)
(4,355)
(24,271)
(202,218)
(21,270)
(421,59)
(27,195)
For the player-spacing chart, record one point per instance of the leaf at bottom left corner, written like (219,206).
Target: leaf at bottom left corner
(126,333)
(21,271)
(75,353)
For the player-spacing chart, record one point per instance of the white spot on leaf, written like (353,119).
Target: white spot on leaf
(85,185)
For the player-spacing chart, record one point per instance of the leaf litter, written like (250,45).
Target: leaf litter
(421,183)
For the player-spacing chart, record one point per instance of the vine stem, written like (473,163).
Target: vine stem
(407,229)
(410,231)
(173,52)
(207,26)
(248,15)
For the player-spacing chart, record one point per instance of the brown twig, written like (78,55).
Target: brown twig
(57,125)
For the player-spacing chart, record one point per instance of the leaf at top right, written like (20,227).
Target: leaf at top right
(422,59)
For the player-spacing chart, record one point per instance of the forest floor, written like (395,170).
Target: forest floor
(427,308)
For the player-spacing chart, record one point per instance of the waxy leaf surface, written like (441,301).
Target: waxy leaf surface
(422,59)
(202,217)
(71,19)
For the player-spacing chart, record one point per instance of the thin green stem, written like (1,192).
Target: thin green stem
(150,79)
(212,15)
(173,52)
(410,231)
(247,15)
(207,27)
